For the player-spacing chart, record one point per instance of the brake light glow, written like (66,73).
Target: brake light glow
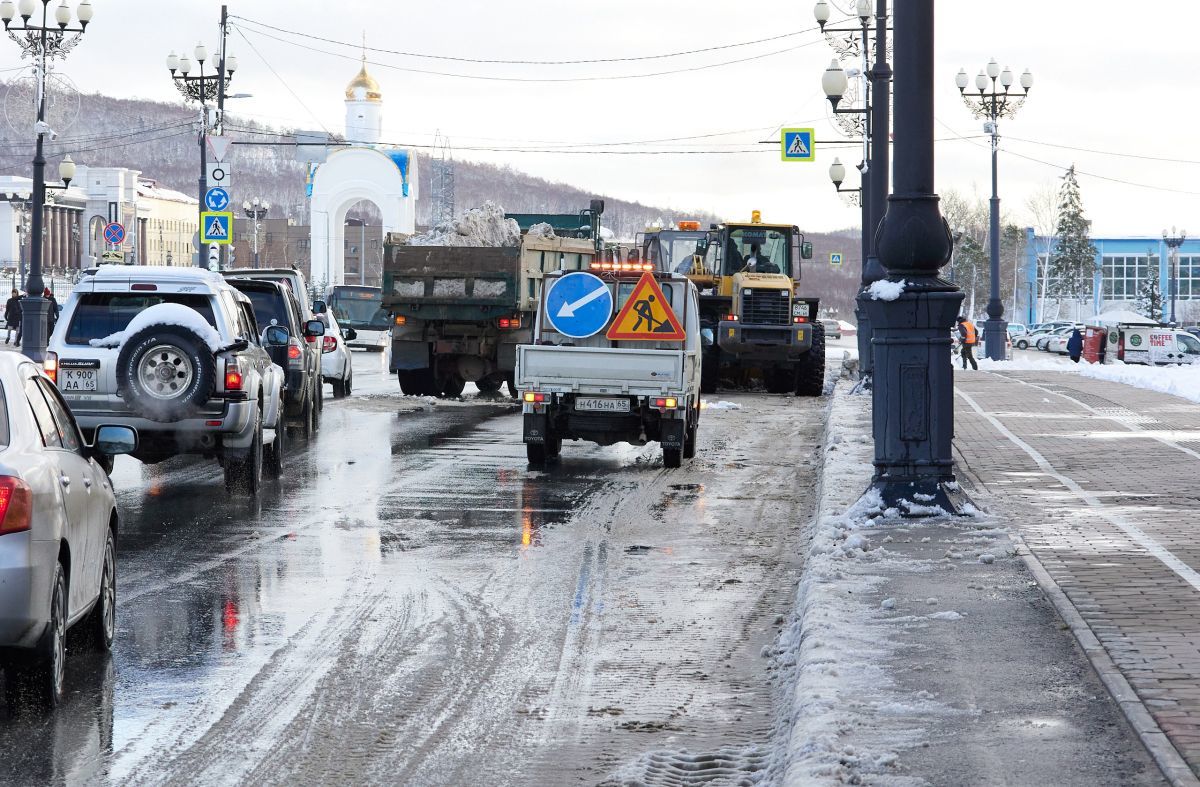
(799,320)
(16,505)
(293,352)
(401,319)
(328,344)
(144,287)
(666,403)
(50,366)
(534,397)
(233,376)
(510,322)
(730,318)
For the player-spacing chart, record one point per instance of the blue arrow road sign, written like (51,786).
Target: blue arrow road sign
(216,198)
(579,305)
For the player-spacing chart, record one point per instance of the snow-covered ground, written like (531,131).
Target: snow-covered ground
(1182,381)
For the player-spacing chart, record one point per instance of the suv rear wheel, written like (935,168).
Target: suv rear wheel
(247,472)
(165,371)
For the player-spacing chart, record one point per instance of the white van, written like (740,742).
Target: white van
(1151,344)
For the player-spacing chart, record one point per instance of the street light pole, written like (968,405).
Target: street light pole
(993,105)
(913,398)
(41,43)
(255,210)
(1174,241)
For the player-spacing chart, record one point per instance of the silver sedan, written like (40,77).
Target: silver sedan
(58,524)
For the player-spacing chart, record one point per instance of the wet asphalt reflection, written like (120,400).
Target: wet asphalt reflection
(211,586)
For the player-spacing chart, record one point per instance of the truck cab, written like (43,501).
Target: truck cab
(606,391)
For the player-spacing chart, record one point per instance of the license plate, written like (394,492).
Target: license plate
(78,379)
(603,405)
(800,310)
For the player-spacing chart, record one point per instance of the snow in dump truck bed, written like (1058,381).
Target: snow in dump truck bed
(171,314)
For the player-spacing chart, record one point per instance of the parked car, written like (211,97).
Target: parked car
(58,524)
(1044,340)
(337,368)
(1194,330)
(1150,344)
(174,353)
(1016,329)
(1050,326)
(275,304)
(1024,340)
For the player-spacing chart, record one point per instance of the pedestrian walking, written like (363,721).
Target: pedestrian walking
(1075,345)
(52,312)
(967,338)
(12,317)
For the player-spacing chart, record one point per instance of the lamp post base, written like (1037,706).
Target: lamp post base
(865,366)
(921,498)
(33,327)
(995,333)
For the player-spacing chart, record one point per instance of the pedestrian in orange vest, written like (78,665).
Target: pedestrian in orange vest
(967,337)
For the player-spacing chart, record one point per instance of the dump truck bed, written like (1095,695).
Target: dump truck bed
(451,282)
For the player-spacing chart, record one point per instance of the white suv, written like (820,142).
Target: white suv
(176,354)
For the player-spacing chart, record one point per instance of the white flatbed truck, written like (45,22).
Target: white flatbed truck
(607,391)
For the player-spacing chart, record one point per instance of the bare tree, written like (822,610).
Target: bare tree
(1043,207)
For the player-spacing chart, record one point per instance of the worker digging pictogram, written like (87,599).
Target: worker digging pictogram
(646,316)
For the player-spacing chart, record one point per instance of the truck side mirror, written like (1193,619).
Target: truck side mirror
(319,307)
(806,250)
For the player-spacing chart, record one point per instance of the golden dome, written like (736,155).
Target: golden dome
(370,87)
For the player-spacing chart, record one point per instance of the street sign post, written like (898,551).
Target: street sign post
(216,227)
(835,258)
(216,198)
(797,144)
(114,233)
(214,257)
(112,256)
(579,305)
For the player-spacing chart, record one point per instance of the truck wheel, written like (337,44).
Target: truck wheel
(511,382)
(810,371)
(689,441)
(452,386)
(536,454)
(489,384)
(672,457)
(710,371)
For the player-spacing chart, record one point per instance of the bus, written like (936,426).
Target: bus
(361,308)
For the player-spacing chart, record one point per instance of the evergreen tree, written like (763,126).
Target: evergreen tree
(1073,261)
(1149,297)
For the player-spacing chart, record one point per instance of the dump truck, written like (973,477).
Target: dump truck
(459,312)
(755,323)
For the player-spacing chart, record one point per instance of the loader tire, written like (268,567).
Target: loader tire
(810,371)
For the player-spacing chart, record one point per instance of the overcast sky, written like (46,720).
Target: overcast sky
(1106,79)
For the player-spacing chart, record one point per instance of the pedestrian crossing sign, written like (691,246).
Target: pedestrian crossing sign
(646,316)
(835,258)
(796,144)
(216,227)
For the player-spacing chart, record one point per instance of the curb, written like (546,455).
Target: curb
(1168,758)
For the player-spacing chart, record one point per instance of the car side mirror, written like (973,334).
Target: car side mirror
(319,307)
(112,440)
(314,328)
(806,250)
(275,336)
(349,334)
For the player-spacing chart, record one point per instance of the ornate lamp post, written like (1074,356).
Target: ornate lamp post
(872,123)
(203,88)
(1173,242)
(41,43)
(255,210)
(993,101)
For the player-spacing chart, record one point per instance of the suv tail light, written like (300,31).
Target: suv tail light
(233,376)
(295,354)
(328,344)
(16,505)
(50,366)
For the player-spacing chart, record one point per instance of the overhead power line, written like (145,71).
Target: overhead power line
(487,78)
(498,61)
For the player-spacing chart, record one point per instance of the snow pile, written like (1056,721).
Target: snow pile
(449,288)
(722,405)
(884,290)
(541,230)
(485,288)
(1181,381)
(409,289)
(482,226)
(172,314)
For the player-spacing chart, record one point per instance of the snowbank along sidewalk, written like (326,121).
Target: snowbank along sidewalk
(921,652)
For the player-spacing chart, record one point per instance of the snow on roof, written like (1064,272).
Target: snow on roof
(1115,316)
(159,272)
(151,190)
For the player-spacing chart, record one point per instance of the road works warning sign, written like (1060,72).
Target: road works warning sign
(646,316)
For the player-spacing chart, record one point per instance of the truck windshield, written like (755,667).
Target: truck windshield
(360,308)
(676,249)
(769,243)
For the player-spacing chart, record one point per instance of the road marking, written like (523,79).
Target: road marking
(1168,558)
(568,309)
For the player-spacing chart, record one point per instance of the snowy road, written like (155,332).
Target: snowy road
(411,605)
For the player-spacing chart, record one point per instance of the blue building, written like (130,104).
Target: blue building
(1122,265)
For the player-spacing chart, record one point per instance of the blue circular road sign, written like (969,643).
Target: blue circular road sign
(114,233)
(216,199)
(579,305)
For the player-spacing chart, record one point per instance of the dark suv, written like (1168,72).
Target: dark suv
(274,304)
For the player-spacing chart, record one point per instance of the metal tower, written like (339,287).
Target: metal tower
(442,160)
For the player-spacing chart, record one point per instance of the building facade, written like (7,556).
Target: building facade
(1123,266)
